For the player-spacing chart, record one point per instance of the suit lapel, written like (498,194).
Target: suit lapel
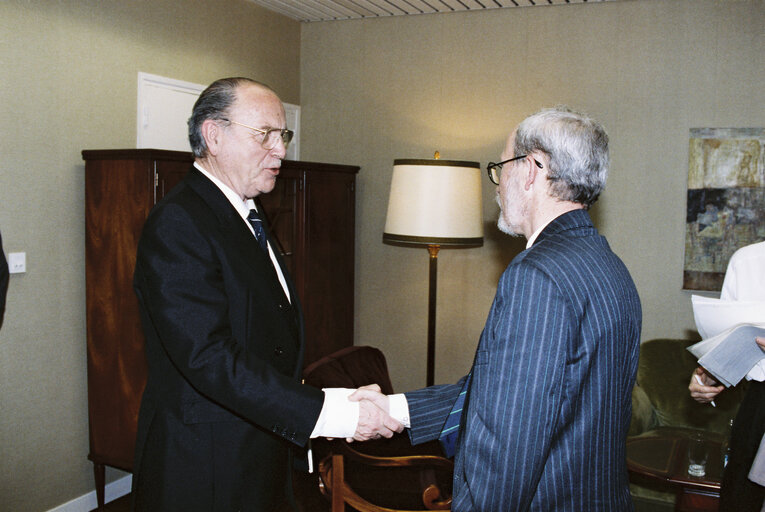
(234,229)
(294,299)
(277,253)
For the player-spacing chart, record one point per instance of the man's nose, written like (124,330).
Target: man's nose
(280,150)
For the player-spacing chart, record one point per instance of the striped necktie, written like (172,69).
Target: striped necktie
(450,432)
(257,225)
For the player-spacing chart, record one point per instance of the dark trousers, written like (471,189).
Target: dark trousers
(738,493)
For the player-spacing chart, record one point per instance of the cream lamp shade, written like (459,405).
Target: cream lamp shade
(435,202)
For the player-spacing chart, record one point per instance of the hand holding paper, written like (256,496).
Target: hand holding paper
(703,387)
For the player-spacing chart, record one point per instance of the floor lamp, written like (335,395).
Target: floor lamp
(433,204)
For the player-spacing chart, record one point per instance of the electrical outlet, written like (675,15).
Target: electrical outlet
(17,262)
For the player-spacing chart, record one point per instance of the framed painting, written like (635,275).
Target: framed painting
(726,201)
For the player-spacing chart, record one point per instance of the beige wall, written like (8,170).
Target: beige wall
(380,89)
(69,82)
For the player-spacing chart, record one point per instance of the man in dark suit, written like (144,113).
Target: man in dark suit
(4,278)
(546,407)
(223,407)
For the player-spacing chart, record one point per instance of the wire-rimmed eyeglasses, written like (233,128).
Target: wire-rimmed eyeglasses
(495,169)
(271,136)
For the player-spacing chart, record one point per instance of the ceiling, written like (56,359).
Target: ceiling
(327,10)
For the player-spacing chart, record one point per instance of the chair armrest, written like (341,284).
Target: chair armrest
(431,461)
(331,465)
(643,413)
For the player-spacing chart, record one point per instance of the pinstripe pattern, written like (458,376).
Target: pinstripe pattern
(549,404)
(450,430)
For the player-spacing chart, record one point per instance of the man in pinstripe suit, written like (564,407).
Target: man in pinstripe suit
(548,400)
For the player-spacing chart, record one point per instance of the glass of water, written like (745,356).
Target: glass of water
(697,455)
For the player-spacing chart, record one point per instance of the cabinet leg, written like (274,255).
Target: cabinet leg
(99,472)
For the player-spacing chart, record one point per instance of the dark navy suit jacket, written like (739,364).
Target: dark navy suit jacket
(549,404)
(223,402)
(4,277)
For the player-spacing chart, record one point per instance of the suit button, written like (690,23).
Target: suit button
(278,351)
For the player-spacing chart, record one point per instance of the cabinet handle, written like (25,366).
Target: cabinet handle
(156,182)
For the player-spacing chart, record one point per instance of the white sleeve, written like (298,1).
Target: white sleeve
(399,409)
(339,416)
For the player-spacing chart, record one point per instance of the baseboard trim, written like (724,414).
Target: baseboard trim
(89,502)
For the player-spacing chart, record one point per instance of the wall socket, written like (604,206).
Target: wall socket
(17,262)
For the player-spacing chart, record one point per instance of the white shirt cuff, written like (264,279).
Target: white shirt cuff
(339,416)
(757,372)
(399,409)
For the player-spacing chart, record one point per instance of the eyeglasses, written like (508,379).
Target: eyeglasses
(271,136)
(495,170)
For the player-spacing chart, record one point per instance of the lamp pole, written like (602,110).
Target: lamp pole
(432,287)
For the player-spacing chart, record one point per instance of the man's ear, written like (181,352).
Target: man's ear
(211,133)
(532,173)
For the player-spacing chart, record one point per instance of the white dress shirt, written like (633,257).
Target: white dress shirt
(745,281)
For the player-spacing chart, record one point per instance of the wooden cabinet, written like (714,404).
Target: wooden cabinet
(120,189)
(312,214)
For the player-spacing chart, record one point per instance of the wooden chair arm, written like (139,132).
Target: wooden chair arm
(332,479)
(430,461)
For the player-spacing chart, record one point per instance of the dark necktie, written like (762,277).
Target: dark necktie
(257,225)
(450,432)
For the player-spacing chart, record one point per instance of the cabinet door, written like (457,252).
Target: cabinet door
(282,208)
(328,265)
(168,174)
(121,186)
(117,200)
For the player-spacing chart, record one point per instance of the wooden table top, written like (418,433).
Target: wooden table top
(662,454)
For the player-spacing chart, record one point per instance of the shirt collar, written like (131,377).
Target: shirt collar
(533,237)
(243,207)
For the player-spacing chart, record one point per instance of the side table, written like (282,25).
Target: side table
(662,455)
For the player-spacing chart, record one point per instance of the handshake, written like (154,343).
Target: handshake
(375,420)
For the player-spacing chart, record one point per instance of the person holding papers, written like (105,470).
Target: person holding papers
(744,281)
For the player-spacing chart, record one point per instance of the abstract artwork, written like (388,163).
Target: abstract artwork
(726,201)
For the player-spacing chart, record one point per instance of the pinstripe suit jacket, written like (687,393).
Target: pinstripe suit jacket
(549,404)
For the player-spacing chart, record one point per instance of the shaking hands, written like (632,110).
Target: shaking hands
(374,414)
(360,414)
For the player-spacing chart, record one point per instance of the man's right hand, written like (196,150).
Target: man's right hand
(373,393)
(374,418)
(707,390)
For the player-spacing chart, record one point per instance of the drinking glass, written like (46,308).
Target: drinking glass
(697,455)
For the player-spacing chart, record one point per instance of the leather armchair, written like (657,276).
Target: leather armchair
(661,402)
(661,398)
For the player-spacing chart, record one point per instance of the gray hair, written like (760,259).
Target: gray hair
(214,103)
(577,147)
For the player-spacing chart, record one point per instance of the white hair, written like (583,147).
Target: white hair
(577,147)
